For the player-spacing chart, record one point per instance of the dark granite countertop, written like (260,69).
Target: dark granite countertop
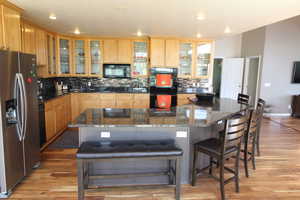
(202,115)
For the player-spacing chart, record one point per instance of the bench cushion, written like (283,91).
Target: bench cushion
(127,149)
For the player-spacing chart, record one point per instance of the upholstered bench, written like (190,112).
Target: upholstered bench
(97,151)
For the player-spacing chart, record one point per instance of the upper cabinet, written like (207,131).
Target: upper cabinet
(157,49)
(80,57)
(172,53)
(164,52)
(28,38)
(110,48)
(95,48)
(185,59)
(51,52)
(124,51)
(64,55)
(203,60)
(140,58)
(41,47)
(11,29)
(117,51)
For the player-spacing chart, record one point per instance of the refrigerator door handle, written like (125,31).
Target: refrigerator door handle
(24,104)
(17,97)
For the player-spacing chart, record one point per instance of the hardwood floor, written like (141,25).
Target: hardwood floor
(277,176)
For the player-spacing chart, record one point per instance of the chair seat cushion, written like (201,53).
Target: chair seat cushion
(213,145)
(127,149)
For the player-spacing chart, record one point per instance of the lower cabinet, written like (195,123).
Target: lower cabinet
(60,111)
(57,115)
(183,98)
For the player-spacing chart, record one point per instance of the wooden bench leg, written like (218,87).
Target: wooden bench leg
(80,175)
(178,177)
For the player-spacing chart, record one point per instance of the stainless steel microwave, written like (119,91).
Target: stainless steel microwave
(116,71)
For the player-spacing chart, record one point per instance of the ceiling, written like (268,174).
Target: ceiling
(157,17)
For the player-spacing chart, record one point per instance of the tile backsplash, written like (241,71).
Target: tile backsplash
(77,83)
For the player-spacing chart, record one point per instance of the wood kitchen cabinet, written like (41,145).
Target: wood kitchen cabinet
(140,58)
(172,53)
(50,120)
(11,28)
(186,59)
(41,52)
(89,100)
(124,51)
(28,38)
(108,100)
(95,57)
(51,54)
(57,116)
(141,101)
(110,51)
(204,60)
(164,52)
(64,55)
(124,100)
(80,57)
(157,52)
(183,98)
(1,29)
(41,47)
(117,51)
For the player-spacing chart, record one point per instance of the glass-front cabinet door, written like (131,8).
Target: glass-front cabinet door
(95,57)
(140,58)
(64,56)
(185,59)
(203,59)
(79,57)
(51,49)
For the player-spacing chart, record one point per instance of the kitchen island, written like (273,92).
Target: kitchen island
(186,124)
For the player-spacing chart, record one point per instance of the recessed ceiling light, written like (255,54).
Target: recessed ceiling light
(200,16)
(227,30)
(52,16)
(199,35)
(139,33)
(77,31)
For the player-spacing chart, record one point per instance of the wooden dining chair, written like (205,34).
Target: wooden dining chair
(243,98)
(260,110)
(228,145)
(249,142)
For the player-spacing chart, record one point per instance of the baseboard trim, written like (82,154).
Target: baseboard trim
(277,114)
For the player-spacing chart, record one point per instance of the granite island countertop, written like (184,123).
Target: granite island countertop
(190,115)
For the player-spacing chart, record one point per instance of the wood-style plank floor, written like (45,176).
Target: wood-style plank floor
(277,176)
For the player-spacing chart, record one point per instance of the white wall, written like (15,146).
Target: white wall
(282,48)
(228,47)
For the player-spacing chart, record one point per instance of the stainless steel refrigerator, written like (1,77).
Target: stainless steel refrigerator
(19,129)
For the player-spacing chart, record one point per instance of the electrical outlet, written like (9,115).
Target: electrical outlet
(105,134)
(181,134)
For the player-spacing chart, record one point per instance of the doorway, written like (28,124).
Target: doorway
(217,74)
(251,84)
(231,77)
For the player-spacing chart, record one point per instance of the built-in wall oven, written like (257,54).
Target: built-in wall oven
(116,71)
(163,87)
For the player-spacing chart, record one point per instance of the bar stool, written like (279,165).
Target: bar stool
(250,139)
(227,146)
(96,151)
(260,109)
(243,98)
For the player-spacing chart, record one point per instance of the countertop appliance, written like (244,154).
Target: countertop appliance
(19,129)
(116,71)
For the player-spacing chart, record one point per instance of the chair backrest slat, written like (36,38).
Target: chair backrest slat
(243,98)
(234,131)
